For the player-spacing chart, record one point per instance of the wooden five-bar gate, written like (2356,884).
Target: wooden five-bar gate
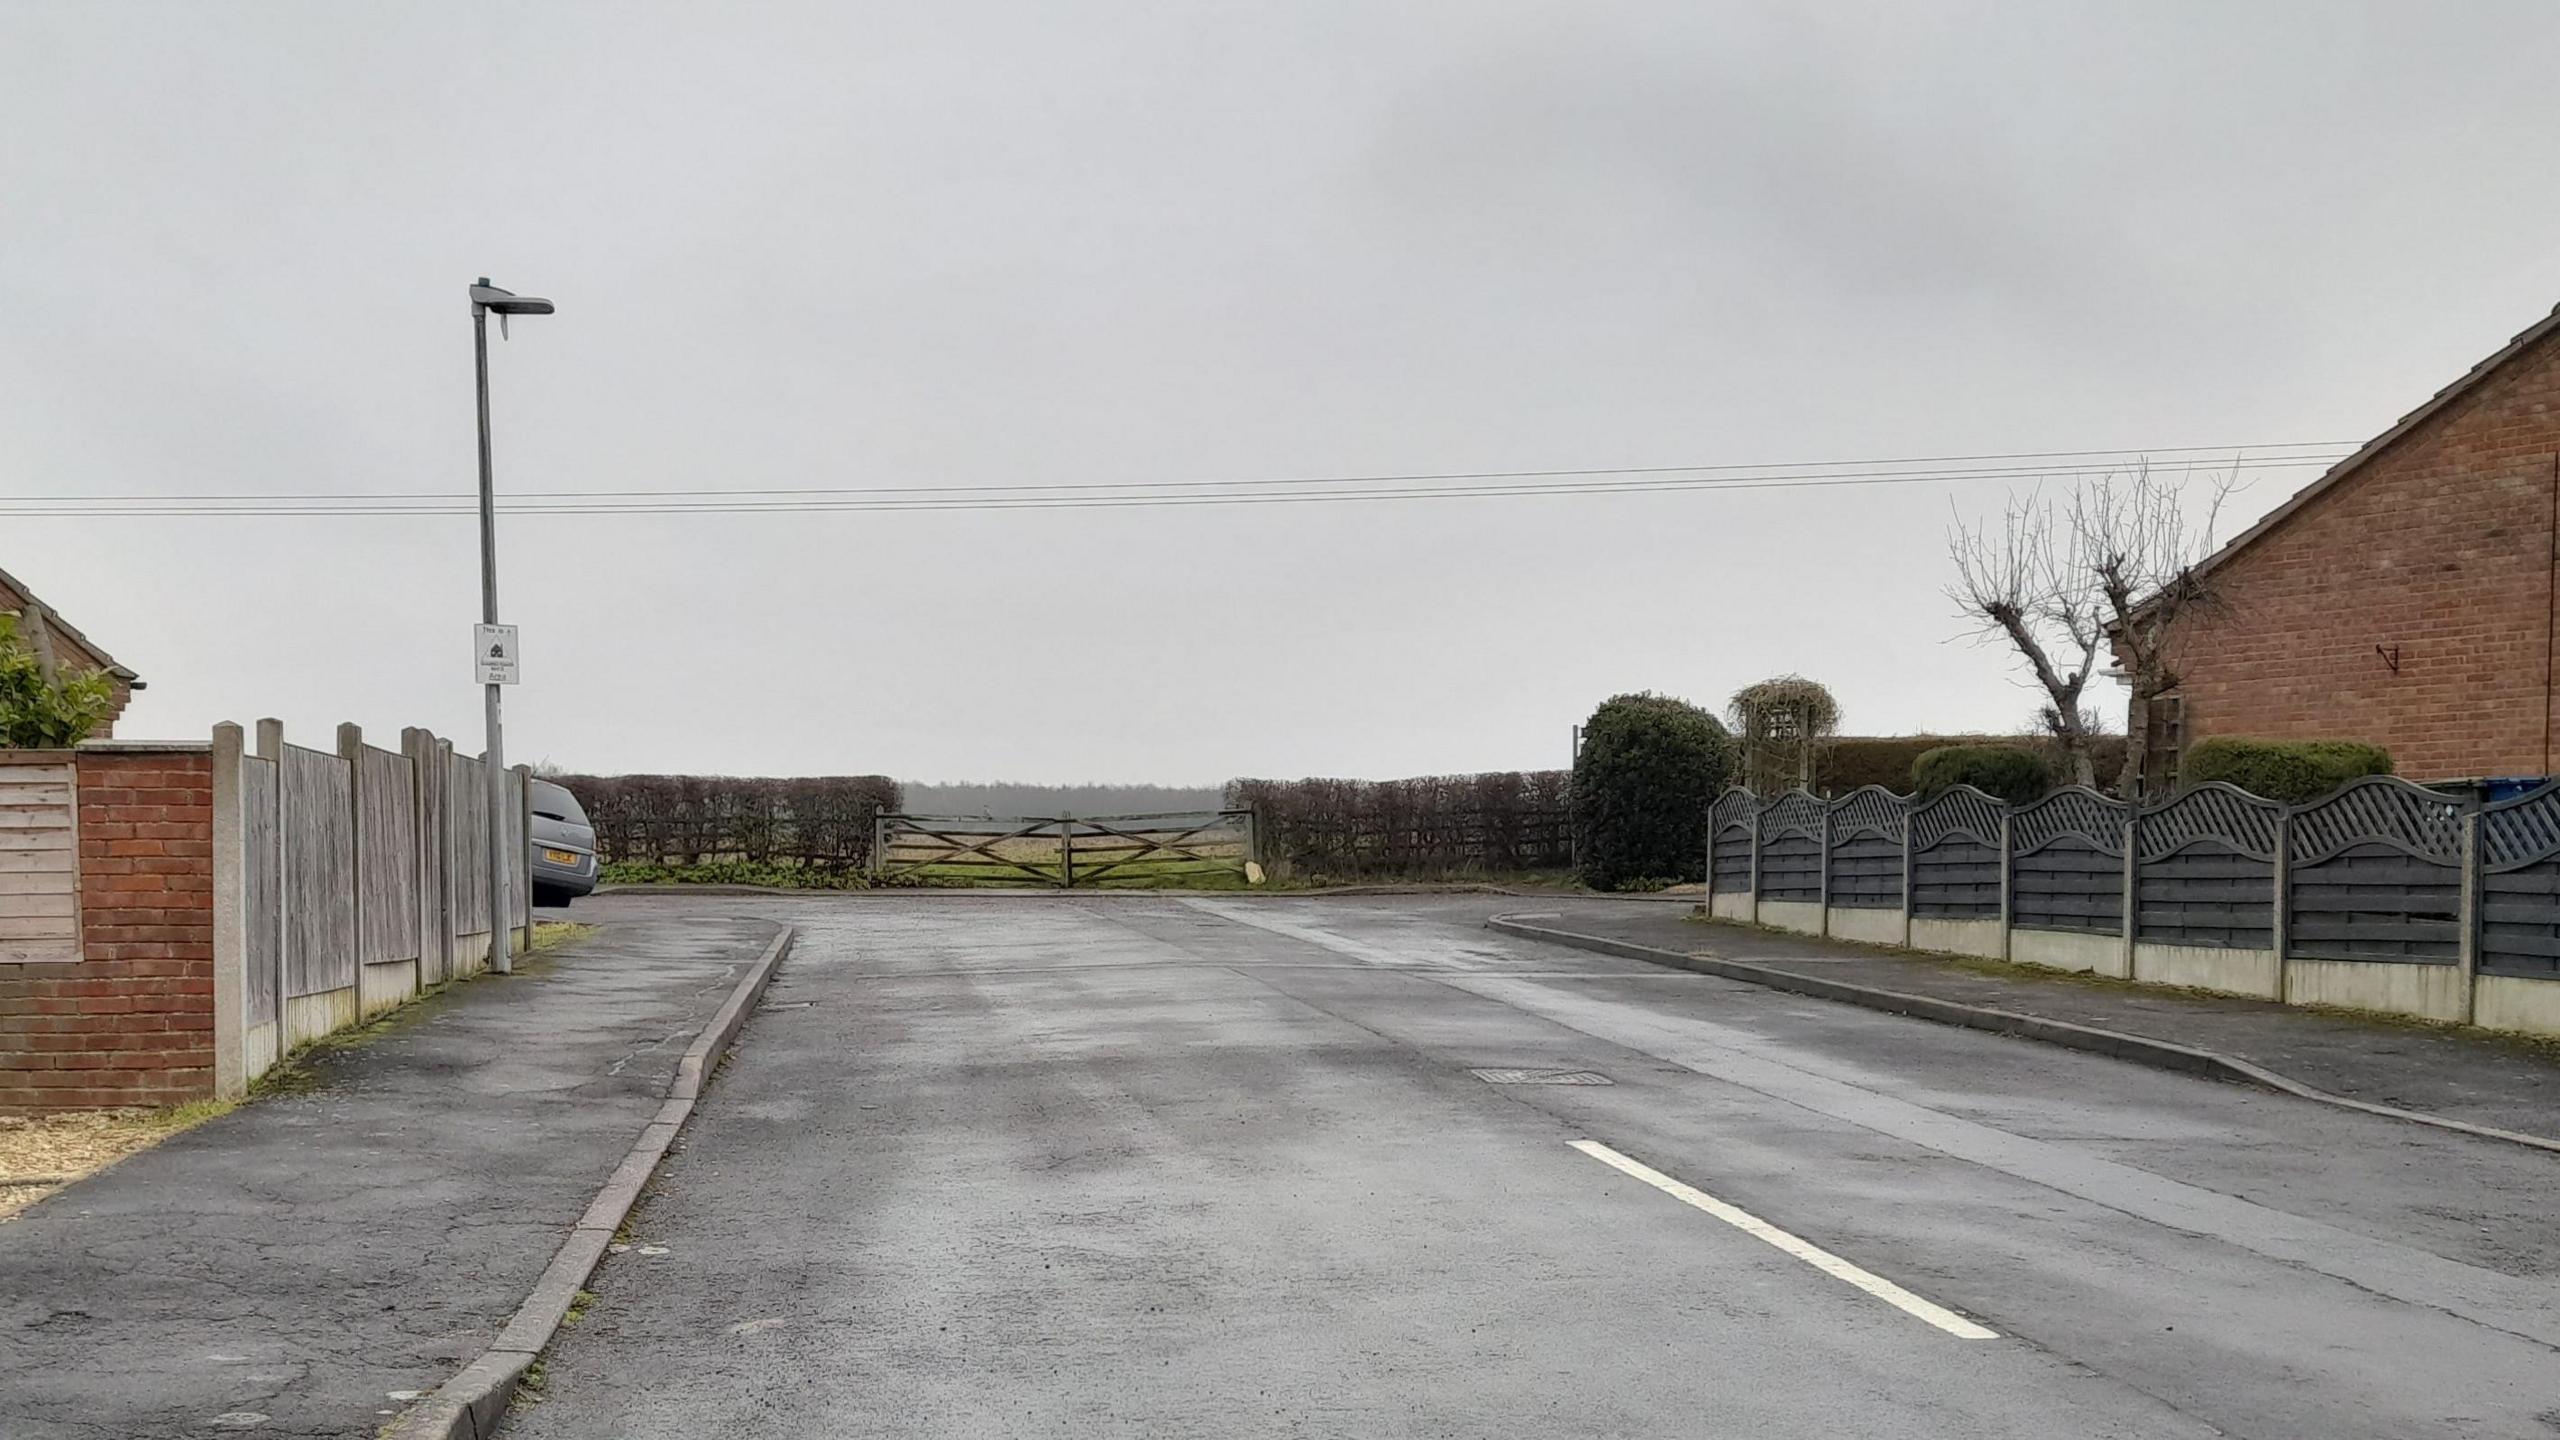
(1065,851)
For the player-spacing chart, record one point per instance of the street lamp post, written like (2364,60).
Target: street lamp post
(486,299)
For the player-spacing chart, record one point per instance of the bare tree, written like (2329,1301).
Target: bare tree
(2116,566)
(2022,584)
(2143,557)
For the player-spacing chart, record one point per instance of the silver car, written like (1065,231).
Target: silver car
(563,864)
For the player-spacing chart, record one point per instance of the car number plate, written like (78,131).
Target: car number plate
(560,857)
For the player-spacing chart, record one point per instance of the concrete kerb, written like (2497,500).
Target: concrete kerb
(469,1405)
(2139,1049)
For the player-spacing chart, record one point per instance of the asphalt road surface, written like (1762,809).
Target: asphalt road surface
(1139,1166)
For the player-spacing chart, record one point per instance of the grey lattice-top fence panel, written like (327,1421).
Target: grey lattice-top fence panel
(2066,863)
(2225,815)
(1791,848)
(2520,885)
(1735,807)
(1794,813)
(1867,828)
(2074,811)
(1870,810)
(2381,809)
(2206,869)
(1955,856)
(1731,827)
(1962,812)
(2375,873)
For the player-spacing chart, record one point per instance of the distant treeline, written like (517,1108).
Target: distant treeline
(1002,798)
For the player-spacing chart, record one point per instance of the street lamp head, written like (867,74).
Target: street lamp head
(489,298)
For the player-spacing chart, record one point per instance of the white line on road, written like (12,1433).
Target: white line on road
(1811,1254)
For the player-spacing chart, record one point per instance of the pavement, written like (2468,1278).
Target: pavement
(303,1264)
(1121,1165)
(2503,1082)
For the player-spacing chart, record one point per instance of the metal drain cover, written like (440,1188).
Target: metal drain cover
(1540,1077)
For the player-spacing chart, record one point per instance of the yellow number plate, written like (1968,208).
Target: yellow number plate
(560,857)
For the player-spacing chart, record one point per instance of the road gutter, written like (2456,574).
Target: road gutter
(470,1405)
(2139,1049)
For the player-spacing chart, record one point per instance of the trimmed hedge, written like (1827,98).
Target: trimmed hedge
(1892,760)
(2012,772)
(688,820)
(1849,761)
(2293,771)
(1504,822)
(1644,786)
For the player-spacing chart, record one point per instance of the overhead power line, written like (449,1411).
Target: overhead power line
(1652,479)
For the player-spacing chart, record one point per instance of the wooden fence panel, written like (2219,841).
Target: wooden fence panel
(2070,884)
(2520,886)
(1958,878)
(2206,894)
(261,892)
(1791,869)
(386,857)
(1731,874)
(435,879)
(39,863)
(319,885)
(2376,901)
(1866,873)
(467,819)
(1956,859)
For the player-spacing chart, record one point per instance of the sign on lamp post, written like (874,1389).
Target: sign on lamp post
(494,651)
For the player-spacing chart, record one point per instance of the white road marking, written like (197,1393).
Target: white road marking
(1804,1250)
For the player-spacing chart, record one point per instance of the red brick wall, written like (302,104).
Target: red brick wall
(132,1022)
(2440,546)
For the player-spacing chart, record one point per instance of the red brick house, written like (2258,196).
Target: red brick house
(40,627)
(2410,597)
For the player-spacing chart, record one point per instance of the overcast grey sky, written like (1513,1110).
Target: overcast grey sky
(835,244)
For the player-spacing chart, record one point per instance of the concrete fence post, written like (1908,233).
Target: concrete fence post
(1906,877)
(2469,949)
(1822,875)
(351,753)
(230,916)
(2008,909)
(2280,920)
(522,859)
(271,747)
(1755,860)
(452,919)
(2131,892)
